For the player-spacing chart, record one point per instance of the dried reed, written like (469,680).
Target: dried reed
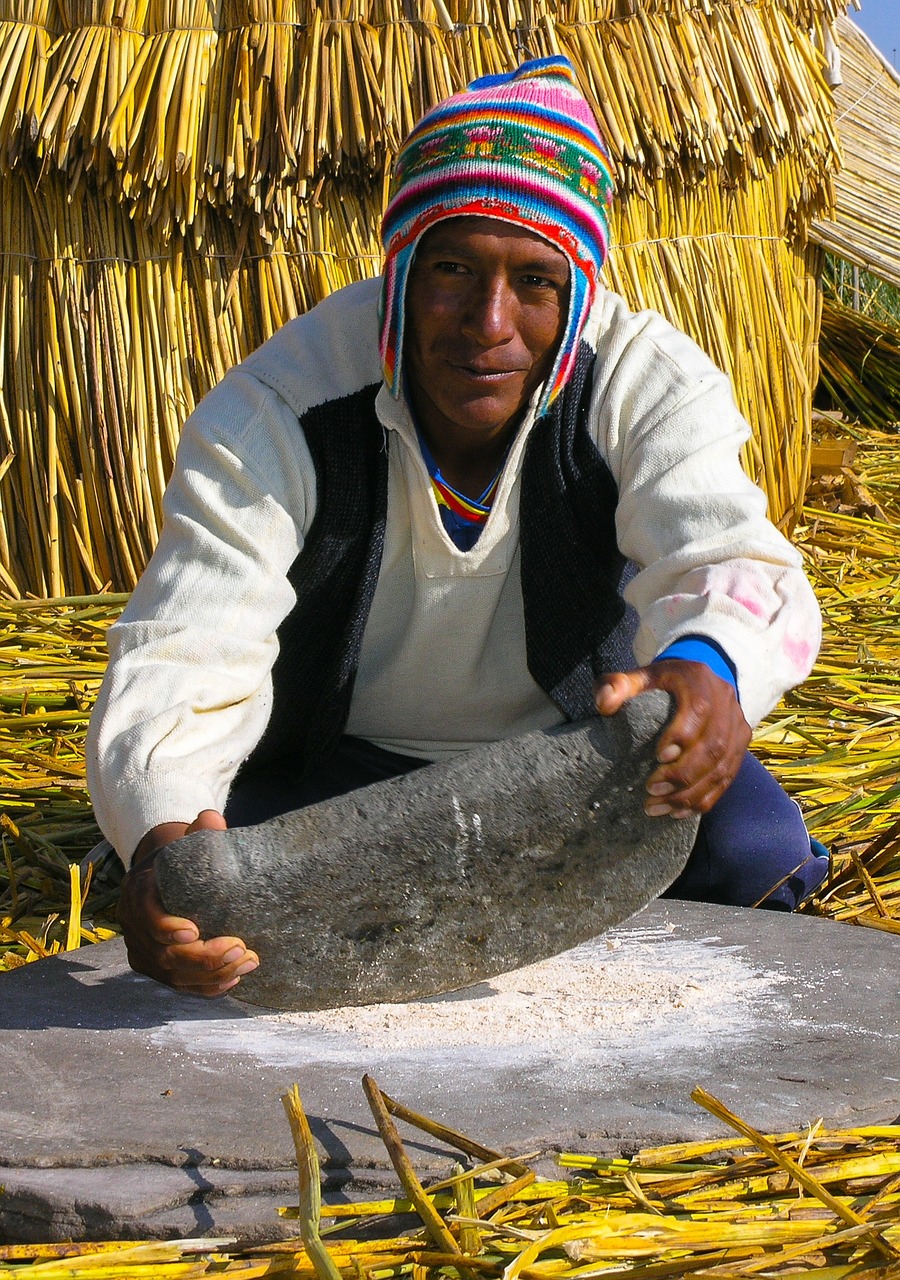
(824,1203)
(179,179)
(867,108)
(860,365)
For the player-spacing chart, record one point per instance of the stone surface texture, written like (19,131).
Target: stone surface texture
(128,1111)
(446,876)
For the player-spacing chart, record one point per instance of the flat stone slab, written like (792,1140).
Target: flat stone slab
(129,1111)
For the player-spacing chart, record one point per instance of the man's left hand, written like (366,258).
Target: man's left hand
(701,749)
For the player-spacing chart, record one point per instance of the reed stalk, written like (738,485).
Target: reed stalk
(177,180)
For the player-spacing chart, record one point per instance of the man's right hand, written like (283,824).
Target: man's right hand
(169,948)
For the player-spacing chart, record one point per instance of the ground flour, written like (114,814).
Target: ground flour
(620,992)
(611,988)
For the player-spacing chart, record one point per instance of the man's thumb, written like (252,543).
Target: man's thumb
(613,689)
(207,820)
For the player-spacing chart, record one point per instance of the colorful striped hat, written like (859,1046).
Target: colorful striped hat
(524,148)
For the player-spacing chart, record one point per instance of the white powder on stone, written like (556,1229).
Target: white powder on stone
(622,994)
(606,989)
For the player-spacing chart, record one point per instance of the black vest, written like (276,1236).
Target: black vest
(576,623)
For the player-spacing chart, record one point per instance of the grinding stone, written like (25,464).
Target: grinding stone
(454,873)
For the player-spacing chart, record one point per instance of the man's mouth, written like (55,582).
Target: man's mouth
(487,374)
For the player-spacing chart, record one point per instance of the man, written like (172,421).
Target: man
(405,525)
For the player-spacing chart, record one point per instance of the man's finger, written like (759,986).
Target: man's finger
(213,954)
(209,993)
(173,930)
(204,964)
(203,983)
(615,688)
(693,785)
(184,973)
(207,820)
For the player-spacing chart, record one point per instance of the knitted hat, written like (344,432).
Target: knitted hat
(523,148)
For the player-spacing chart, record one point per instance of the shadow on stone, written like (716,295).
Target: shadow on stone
(204,1221)
(75,994)
(325,1133)
(338,1154)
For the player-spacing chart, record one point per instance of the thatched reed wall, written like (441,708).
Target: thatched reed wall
(866,225)
(178,177)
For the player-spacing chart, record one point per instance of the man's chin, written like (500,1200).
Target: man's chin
(487,412)
(488,425)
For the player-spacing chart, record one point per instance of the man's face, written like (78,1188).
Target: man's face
(486,305)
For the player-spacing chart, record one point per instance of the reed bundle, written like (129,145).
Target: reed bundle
(860,365)
(178,179)
(746,296)
(824,1203)
(867,114)
(175,106)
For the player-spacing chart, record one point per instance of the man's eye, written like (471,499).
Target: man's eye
(451,268)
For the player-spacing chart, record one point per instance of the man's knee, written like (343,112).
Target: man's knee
(752,848)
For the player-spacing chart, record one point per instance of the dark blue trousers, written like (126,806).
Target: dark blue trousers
(752,848)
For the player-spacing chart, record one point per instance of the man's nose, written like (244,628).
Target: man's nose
(490,316)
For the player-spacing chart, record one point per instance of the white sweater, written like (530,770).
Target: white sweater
(188,691)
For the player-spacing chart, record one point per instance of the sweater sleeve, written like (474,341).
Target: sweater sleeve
(187,692)
(711,562)
(699,649)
